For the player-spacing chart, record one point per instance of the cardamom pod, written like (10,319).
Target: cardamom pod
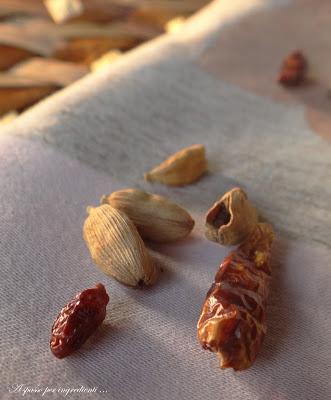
(182,168)
(231,218)
(116,247)
(156,218)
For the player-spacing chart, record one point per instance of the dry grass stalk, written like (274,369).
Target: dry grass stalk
(84,40)
(20,98)
(34,35)
(87,10)
(10,8)
(52,71)
(12,55)
(86,51)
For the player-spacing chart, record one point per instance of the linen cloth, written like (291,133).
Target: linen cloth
(102,134)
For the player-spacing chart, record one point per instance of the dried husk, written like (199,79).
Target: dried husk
(11,55)
(25,34)
(116,247)
(87,50)
(182,168)
(17,93)
(49,71)
(64,11)
(156,218)
(175,24)
(231,219)
(14,8)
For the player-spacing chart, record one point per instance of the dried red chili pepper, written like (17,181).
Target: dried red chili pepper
(293,69)
(232,322)
(78,320)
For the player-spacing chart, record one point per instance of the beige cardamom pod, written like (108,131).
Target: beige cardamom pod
(116,247)
(156,218)
(182,168)
(231,219)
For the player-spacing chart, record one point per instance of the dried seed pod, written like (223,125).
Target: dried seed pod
(156,218)
(78,320)
(182,168)
(232,321)
(293,69)
(231,218)
(116,247)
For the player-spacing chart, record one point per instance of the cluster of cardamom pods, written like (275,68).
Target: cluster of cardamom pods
(115,231)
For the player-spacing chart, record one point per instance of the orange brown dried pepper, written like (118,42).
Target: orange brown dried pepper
(293,69)
(232,321)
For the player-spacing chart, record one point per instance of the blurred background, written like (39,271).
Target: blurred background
(46,45)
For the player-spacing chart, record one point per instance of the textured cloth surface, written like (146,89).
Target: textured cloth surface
(101,135)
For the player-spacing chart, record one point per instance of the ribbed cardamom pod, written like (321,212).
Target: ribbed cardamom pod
(117,248)
(182,168)
(156,218)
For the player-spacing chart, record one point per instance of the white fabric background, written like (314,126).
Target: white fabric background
(102,134)
(147,347)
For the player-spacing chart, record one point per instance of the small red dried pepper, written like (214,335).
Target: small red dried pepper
(293,69)
(78,320)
